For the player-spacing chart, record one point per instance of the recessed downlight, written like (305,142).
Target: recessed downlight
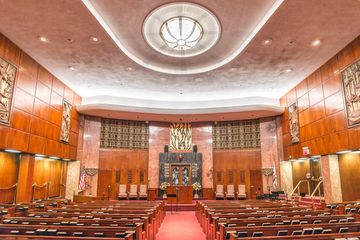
(316,42)
(288,70)
(267,42)
(53,157)
(94,39)
(163,78)
(129,69)
(71,68)
(43,39)
(232,69)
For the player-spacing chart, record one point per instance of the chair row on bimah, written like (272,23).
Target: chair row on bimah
(230,192)
(222,220)
(135,192)
(138,220)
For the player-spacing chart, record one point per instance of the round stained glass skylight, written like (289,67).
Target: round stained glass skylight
(181,33)
(181,29)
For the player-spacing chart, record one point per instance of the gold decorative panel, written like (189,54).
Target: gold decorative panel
(180,136)
(124,134)
(65,123)
(7,82)
(351,86)
(294,124)
(236,134)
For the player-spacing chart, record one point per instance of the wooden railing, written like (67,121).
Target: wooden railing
(8,195)
(297,187)
(42,190)
(317,188)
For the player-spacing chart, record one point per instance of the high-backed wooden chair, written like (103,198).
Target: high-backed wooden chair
(122,192)
(143,191)
(241,194)
(230,192)
(133,194)
(219,193)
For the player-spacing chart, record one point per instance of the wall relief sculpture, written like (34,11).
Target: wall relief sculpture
(7,82)
(294,123)
(351,86)
(65,123)
(180,136)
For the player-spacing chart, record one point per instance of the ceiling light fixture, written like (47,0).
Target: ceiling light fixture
(163,79)
(288,70)
(181,33)
(71,68)
(43,39)
(12,151)
(232,69)
(267,42)
(95,39)
(343,152)
(316,42)
(129,69)
(53,157)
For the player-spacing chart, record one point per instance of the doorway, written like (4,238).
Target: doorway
(180,174)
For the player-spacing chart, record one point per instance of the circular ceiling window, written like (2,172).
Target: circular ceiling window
(181,29)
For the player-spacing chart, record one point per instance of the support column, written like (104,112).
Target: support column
(25,177)
(72,179)
(88,151)
(331,177)
(286,177)
(269,150)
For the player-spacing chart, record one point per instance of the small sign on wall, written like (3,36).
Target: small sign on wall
(306,151)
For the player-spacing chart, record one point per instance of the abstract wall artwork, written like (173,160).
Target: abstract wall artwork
(124,134)
(7,82)
(294,123)
(65,123)
(351,86)
(236,134)
(180,136)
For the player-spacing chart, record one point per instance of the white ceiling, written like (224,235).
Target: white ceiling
(255,77)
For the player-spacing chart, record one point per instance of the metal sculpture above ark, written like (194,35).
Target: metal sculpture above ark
(7,83)
(180,136)
(351,86)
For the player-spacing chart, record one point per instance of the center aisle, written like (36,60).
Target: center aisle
(180,226)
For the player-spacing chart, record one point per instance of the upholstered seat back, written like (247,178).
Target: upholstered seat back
(122,189)
(143,189)
(133,189)
(230,190)
(219,189)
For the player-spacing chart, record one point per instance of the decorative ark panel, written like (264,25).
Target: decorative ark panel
(65,123)
(180,136)
(351,86)
(294,123)
(7,82)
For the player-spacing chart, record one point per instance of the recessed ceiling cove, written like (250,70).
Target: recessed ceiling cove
(152,40)
(181,29)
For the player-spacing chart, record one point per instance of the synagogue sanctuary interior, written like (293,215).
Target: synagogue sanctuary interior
(179,120)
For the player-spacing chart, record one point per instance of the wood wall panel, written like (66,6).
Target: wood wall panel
(37,108)
(349,166)
(49,171)
(322,117)
(8,176)
(125,161)
(238,162)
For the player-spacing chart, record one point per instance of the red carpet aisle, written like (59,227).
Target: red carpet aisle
(180,226)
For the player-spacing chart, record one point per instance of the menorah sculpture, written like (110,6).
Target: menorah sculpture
(267,173)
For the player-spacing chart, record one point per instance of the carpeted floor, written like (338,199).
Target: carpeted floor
(180,226)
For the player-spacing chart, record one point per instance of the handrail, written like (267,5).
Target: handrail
(46,185)
(297,187)
(317,188)
(15,186)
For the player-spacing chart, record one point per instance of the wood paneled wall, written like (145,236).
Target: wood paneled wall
(8,176)
(37,108)
(121,166)
(299,170)
(238,167)
(349,166)
(51,172)
(321,109)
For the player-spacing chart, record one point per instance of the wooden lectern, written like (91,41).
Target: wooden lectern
(184,194)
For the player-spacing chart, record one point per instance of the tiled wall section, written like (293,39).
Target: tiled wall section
(322,117)
(37,108)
